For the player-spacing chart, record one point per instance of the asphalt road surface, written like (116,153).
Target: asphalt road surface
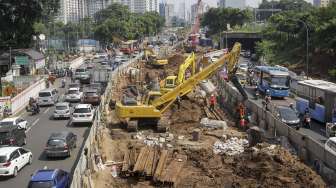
(39,128)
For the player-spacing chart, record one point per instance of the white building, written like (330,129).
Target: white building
(69,11)
(167,11)
(140,6)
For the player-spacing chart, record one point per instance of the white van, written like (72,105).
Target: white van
(47,97)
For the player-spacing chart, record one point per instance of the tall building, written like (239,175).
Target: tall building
(162,9)
(202,9)
(69,11)
(241,4)
(169,13)
(181,11)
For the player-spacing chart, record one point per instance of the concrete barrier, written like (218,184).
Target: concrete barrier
(20,101)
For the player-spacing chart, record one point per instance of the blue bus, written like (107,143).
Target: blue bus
(319,97)
(273,78)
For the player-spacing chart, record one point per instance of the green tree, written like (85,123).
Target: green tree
(17,20)
(216,19)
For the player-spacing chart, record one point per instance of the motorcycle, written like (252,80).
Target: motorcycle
(34,109)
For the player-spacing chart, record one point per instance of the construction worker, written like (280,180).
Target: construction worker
(212,102)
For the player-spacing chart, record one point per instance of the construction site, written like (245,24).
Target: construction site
(163,130)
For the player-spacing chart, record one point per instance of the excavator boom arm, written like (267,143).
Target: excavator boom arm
(190,61)
(182,89)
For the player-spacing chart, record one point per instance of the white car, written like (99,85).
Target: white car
(330,145)
(14,121)
(74,95)
(83,113)
(243,67)
(62,110)
(13,159)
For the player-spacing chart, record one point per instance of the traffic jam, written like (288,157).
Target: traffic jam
(69,104)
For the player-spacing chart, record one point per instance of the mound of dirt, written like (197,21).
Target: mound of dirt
(262,167)
(189,112)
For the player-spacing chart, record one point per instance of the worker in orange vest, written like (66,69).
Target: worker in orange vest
(212,102)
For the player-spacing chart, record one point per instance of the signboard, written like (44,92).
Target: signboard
(21,60)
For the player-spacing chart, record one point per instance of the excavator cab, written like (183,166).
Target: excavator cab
(150,97)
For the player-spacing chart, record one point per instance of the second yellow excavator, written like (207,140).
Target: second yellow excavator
(156,60)
(170,82)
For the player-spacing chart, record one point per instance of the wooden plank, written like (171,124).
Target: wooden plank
(125,166)
(171,173)
(161,164)
(149,162)
(139,162)
(133,157)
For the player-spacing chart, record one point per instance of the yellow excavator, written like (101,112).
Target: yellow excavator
(154,60)
(154,104)
(170,82)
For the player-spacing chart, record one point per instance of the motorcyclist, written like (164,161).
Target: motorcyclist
(33,105)
(306,118)
(63,83)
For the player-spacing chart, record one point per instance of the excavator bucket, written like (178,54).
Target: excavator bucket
(236,83)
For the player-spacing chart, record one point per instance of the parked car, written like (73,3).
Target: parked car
(73,95)
(47,97)
(13,159)
(14,121)
(74,85)
(330,145)
(12,136)
(53,178)
(83,113)
(288,115)
(60,144)
(243,67)
(62,110)
(91,96)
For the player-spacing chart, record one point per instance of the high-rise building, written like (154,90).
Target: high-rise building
(69,11)
(181,11)
(202,9)
(241,4)
(162,9)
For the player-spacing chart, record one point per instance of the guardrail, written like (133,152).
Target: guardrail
(311,151)
(87,161)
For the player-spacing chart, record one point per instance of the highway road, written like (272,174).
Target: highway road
(317,131)
(40,127)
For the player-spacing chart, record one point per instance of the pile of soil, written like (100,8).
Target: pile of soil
(262,168)
(189,112)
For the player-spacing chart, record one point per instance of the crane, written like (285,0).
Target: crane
(171,82)
(154,104)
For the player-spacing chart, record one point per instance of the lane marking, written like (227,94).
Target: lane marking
(46,110)
(33,124)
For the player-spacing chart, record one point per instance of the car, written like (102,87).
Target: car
(243,67)
(83,75)
(75,84)
(62,110)
(73,95)
(12,136)
(15,121)
(214,58)
(288,115)
(46,178)
(13,159)
(47,97)
(91,96)
(330,145)
(60,144)
(83,113)
(98,86)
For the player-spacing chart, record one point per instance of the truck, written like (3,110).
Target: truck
(100,76)
(151,108)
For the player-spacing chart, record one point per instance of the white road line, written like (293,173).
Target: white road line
(33,124)
(46,110)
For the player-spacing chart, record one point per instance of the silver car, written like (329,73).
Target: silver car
(62,110)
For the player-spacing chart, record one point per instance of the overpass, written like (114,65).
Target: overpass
(247,39)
